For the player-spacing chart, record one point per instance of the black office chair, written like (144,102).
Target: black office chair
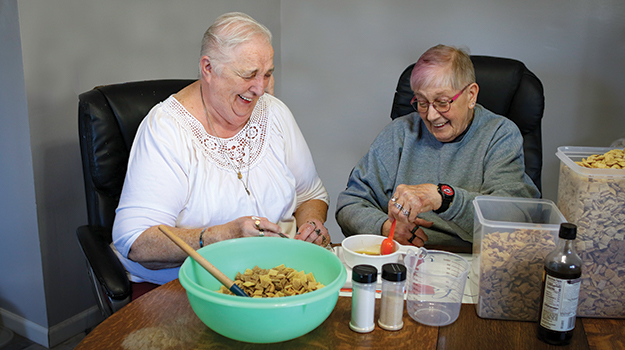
(108,118)
(507,88)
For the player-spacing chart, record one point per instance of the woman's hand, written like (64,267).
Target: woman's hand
(313,231)
(252,226)
(408,201)
(408,233)
(310,217)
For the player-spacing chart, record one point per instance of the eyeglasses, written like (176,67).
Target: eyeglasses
(444,106)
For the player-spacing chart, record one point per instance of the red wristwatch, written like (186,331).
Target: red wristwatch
(447,193)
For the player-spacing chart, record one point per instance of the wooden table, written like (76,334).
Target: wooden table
(163,319)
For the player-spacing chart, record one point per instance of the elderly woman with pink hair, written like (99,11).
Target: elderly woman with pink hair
(424,169)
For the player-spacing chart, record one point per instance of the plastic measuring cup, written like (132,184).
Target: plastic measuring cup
(435,286)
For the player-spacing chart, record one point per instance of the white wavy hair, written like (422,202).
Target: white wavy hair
(226,33)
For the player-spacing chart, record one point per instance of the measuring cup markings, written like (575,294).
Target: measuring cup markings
(435,286)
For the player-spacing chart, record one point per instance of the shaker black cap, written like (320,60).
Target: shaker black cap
(364,274)
(568,231)
(394,272)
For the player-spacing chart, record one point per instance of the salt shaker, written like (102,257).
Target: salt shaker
(393,286)
(364,278)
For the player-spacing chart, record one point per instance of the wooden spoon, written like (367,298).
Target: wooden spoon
(204,263)
(388,244)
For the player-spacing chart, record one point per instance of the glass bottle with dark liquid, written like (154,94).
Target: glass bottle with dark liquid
(560,292)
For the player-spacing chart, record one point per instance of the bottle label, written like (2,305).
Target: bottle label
(560,303)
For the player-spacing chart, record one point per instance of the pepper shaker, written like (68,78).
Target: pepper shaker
(393,287)
(364,278)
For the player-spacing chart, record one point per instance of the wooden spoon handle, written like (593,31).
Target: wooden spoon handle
(201,260)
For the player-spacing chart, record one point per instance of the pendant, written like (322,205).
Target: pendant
(239,175)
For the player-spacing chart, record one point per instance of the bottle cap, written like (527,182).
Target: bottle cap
(394,272)
(568,231)
(364,274)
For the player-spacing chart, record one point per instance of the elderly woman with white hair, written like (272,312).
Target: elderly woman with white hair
(220,159)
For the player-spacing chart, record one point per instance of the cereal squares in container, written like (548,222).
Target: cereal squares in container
(591,194)
(511,238)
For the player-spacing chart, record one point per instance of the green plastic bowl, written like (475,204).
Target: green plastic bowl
(266,320)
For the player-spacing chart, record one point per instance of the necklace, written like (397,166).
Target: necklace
(227,156)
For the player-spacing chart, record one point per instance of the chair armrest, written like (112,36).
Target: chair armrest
(105,265)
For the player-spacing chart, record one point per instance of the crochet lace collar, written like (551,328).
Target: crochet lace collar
(242,151)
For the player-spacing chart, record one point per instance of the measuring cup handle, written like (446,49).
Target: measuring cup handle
(413,255)
(419,252)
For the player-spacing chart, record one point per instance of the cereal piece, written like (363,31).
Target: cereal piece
(279,281)
(613,159)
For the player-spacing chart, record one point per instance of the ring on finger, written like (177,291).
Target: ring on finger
(393,199)
(325,241)
(412,238)
(405,212)
(398,206)
(257,223)
(261,233)
(414,229)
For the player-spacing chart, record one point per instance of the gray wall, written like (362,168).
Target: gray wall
(337,66)
(21,279)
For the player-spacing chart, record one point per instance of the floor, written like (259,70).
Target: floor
(20,343)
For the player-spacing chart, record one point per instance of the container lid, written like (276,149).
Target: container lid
(364,274)
(394,272)
(568,231)
(517,213)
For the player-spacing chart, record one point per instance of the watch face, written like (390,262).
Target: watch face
(447,190)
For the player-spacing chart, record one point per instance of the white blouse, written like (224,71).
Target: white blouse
(181,176)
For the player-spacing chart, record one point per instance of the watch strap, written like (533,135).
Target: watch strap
(447,194)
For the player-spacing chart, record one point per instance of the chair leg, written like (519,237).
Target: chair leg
(106,305)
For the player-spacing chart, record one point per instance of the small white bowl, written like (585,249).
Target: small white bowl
(355,243)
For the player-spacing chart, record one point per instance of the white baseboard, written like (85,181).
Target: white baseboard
(74,325)
(56,334)
(24,327)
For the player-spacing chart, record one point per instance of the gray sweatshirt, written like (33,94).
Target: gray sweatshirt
(486,160)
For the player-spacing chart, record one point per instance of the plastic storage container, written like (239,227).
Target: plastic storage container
(511,238)
(594,200)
